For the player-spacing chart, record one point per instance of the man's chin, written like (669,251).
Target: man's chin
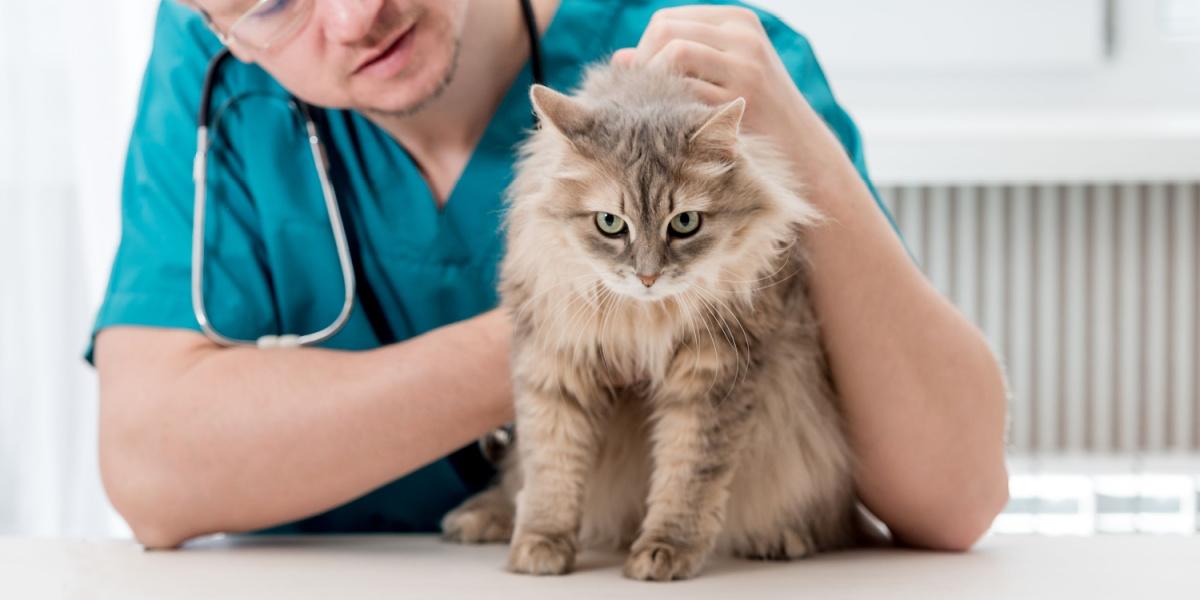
(397,108)
(406,97)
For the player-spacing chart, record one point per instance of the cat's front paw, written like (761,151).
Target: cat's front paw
(478,525)
(536,554)
(652,560)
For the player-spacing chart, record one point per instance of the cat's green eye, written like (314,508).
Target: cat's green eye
(685,224)
(610,224)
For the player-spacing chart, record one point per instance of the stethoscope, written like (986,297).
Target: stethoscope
(351,284)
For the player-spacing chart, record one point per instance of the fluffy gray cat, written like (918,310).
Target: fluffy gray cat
(671,391)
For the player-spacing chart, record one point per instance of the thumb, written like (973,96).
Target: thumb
(624,57)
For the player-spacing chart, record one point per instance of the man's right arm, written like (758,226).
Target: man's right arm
(196,438)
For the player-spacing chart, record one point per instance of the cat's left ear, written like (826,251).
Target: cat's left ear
(717,138)
(563,113)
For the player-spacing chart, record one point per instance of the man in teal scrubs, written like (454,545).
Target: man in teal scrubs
(422,103)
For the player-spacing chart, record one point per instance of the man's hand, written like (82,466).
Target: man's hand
(726,54)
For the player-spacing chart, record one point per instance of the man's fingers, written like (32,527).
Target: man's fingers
(662,31)
(692,59)
(709,93)
(713,15)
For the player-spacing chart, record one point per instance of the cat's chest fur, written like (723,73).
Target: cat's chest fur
(628,342)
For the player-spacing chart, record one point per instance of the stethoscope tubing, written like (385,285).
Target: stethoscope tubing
(337,227)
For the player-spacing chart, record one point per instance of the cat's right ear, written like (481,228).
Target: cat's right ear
(561,112)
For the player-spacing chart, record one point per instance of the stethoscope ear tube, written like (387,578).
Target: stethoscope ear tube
(337,228)
(210,80)
(200,200)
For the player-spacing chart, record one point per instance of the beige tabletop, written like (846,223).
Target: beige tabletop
(423,567)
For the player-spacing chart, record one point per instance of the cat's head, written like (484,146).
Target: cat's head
(657,198)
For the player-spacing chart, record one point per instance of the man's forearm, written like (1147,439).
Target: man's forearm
(923,396)
(240,439)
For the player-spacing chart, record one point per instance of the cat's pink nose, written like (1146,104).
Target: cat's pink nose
(648,280)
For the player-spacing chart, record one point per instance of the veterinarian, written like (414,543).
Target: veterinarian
(416,106)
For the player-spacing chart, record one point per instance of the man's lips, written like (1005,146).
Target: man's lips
(385,51)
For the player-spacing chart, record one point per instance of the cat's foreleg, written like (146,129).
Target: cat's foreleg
(557,427)
(699,426)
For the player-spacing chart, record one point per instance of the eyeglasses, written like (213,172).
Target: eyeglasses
(265,24)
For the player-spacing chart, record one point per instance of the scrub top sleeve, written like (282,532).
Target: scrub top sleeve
(800,61)
(150,282)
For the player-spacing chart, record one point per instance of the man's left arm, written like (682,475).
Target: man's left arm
(923,395)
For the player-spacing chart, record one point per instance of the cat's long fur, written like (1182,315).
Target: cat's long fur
(702,420)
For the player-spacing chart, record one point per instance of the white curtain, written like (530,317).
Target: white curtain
(69,75)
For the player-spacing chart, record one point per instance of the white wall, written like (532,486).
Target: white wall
(70,70)
(1054,89)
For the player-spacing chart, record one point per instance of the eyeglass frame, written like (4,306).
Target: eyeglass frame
(231,35)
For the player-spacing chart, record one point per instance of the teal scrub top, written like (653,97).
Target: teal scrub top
(271,264)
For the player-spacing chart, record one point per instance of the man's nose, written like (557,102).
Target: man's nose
(349,21)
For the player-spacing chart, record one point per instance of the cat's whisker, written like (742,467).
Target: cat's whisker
(713,339)
(783,264)
(578,305)
(575,294)
(774,281)
(556,285)
(787,257)
(737,358)
(610,305)
(529,303)
(691,320)
(732,315)
(563,305)
(727,334)
(602,314)
(745,336)
(577,321)
(597,300)
(551,321)
(712,303)
(797,271)
(737,355)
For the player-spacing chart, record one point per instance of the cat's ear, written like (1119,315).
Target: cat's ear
(717,138)
(563,113)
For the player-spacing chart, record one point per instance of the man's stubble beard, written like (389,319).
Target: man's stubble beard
(430,98)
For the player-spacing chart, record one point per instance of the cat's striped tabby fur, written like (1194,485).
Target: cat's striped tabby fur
(671,391)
